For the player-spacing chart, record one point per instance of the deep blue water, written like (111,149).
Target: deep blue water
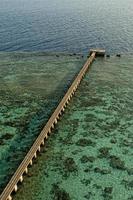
(66,25)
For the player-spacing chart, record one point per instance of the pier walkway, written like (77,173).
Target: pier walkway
(12,186)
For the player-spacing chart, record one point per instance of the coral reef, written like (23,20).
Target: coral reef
(59,194)
(107,193)
(117,163)
(102,171)
(85,142)
(86,159)
(70,165)
(104,152)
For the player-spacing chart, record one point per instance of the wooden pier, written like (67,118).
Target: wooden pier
(12,186)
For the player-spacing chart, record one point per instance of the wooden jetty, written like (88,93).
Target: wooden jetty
(12,186)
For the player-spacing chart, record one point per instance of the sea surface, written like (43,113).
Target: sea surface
(66,25)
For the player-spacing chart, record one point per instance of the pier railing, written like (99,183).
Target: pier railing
(23,167)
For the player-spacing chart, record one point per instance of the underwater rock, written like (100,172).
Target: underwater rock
(85,142)
(59,194)
(125,183)
(130,171)
(125,151)
(88,196)
(118,55)
(90,117)
(7,136)
(87,170)
(66,141)
(107,193)
(75,152)
(1,142)
(92,102)
(104,152)
(86,182)
(130,198)
(113,141)
(70,165)
(108,190)
(102,171)
(117,163)
(97,170)
(130,184)
(97,186)
(127,143)
(86,159)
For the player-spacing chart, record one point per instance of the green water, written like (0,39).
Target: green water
(31,86)
(89,154)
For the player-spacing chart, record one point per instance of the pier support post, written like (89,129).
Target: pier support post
(21,179)
(15,188)
(49,130)
(31,162)
(55,121)
(39,148)
(9,197)
(43,142)
(35,155)
(26,170)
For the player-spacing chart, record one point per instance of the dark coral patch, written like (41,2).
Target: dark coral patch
(102,171)
(86,159)
(117,163)
(59,194)
(70,165)
(1,142)
(8,136)
(104,152)
(107,193)
(85,142)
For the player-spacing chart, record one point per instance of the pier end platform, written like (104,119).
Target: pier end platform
(98,52)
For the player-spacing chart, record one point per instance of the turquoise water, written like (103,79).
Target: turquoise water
(89,154)
(66,25)
(31,86)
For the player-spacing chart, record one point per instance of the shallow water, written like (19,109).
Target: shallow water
(31,86)
(66,25)
(89,154)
